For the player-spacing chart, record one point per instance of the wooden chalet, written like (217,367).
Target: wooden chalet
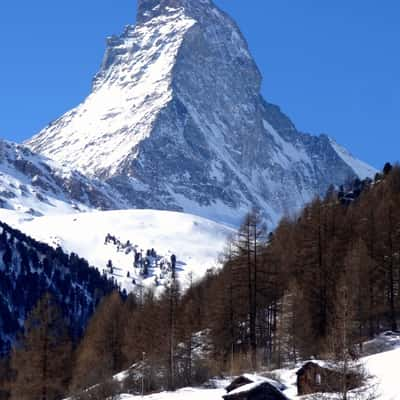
(315,378)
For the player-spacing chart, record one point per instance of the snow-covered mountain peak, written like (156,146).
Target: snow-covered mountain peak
(176,121)
(148,9)
(132,87)
(143,51)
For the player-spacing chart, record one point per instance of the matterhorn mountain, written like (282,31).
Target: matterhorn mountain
(176,121)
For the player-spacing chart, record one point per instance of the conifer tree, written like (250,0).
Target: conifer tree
(144,339)
(248,260)
(100,355)
(172,297)
(41,360)
(6,377)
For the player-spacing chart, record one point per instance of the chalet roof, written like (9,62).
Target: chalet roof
(262,386)
(238,382)
(251,378)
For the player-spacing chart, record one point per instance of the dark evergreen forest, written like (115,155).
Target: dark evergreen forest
(29,269)
(321,284)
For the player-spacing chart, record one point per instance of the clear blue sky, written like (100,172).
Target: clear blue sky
(333,66)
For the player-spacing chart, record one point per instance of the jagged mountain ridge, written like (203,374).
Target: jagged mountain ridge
(176,121)
(33,185)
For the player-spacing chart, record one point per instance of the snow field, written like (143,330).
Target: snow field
(196,242)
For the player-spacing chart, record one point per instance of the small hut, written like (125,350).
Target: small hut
(315,378)
(246,387)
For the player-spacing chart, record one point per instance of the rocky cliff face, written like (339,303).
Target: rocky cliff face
(176,121)
(33,185)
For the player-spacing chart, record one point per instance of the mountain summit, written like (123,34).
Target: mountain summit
(176,121)
(148,9)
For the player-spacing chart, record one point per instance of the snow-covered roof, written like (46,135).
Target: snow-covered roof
(254,382)
(268,385)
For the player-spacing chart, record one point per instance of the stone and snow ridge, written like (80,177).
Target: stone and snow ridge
(175,121)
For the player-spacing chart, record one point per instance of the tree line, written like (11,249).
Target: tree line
(28,271)
(321,284)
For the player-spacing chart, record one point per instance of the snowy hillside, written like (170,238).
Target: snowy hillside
(33,185)
(196,242)
(183,394)
(29,269)
(381,366)
(175,121)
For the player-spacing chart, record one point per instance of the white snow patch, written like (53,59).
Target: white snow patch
(288,153)
(196,242)
(183,394)
(362,169)
(125,102)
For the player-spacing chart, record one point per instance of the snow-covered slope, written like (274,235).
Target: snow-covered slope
(29,269)
(382,367)
(182,394)
(33,185)
(195,241)
(128,95)
(176,121)
(362,169)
